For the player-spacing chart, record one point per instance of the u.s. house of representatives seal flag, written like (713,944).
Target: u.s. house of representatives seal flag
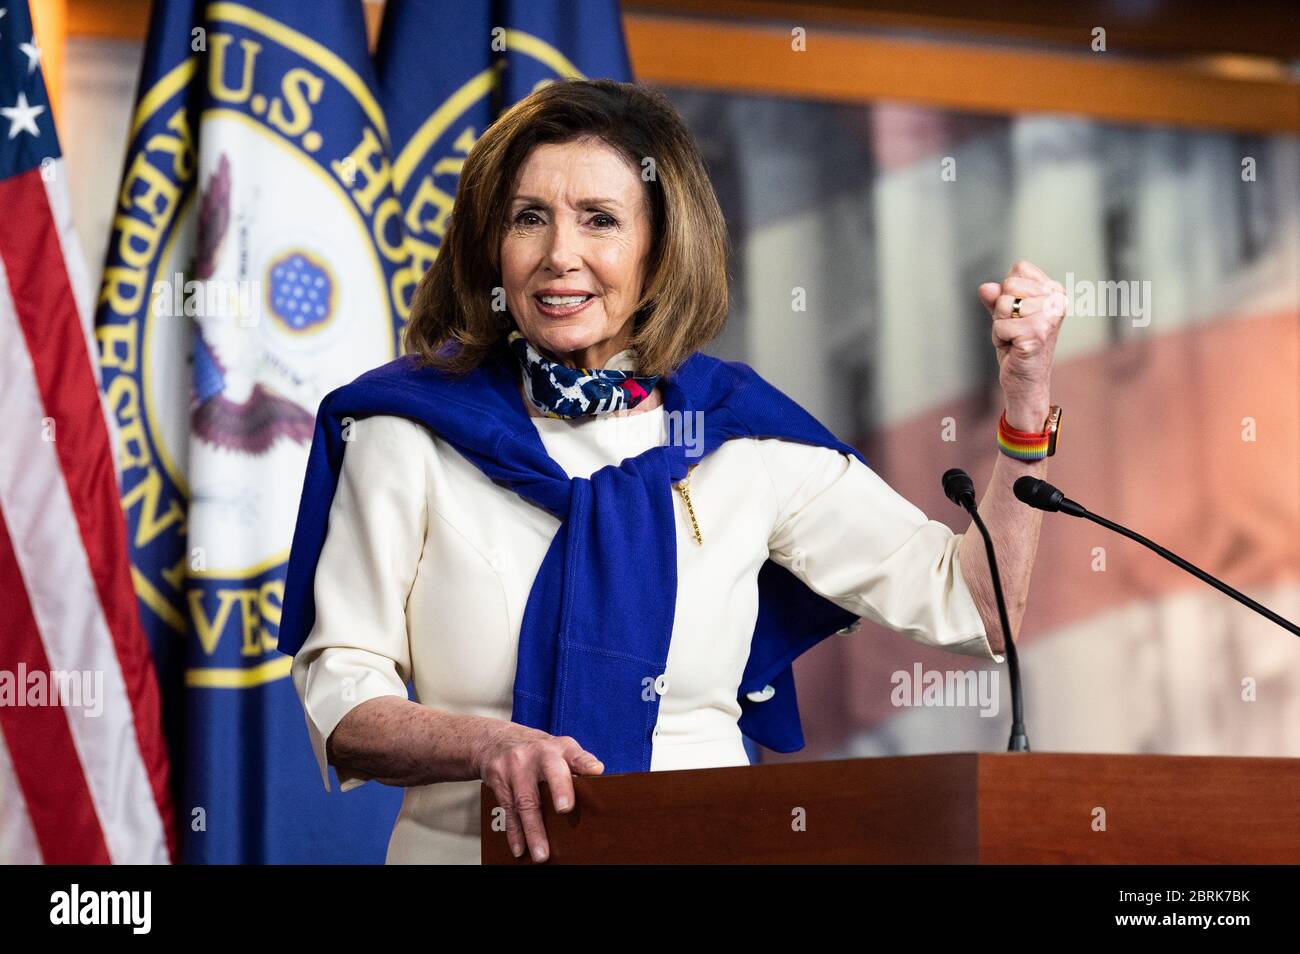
(255,256)
(446,70)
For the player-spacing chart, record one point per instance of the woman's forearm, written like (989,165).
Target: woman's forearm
(1014,528)
(1027,308)
(400,742)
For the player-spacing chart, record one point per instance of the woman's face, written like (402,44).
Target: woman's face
(578,227)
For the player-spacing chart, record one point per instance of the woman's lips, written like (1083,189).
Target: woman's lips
(561,311)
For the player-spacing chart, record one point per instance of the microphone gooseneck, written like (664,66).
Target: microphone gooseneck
(960,489)
(1043,496)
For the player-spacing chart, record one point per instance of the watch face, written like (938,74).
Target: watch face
(1053,429)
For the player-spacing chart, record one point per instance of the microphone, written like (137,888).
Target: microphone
(960,489)
(1039,493)
(1043,496)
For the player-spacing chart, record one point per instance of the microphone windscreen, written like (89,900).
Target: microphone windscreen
(957,484)
(1037,493)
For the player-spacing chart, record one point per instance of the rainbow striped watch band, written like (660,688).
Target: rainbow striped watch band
(1023,445)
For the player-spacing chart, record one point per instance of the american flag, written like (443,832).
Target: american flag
(83,767)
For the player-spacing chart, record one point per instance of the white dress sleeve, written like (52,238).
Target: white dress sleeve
(854,540)
(358,648)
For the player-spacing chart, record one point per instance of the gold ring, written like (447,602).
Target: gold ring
(1015,308)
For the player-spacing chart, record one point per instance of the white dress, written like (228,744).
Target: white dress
(427,565)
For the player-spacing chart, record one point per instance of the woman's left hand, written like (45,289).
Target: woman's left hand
(1026,344)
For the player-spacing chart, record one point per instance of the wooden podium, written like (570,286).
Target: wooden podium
(967,808)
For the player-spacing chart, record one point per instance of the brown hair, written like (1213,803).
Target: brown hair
(684,306)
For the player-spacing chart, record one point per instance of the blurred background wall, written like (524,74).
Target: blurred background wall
(913,151)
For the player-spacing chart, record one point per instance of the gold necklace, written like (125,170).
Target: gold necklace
(685,487)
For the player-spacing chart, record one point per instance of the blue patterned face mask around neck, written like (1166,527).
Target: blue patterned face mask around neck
(557,391)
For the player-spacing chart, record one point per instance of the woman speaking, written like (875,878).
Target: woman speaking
(590,547)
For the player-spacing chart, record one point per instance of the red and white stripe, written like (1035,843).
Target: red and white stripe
(74,788)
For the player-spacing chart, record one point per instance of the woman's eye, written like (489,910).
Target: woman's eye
(601,220)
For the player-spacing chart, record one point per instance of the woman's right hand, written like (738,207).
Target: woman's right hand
(512,759)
